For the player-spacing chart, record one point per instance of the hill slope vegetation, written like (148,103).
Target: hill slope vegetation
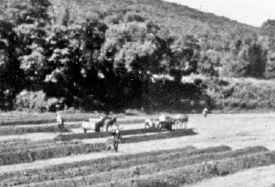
(121,54)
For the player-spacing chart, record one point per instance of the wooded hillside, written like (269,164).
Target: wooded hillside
(104,54)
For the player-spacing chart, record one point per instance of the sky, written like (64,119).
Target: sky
(252,12)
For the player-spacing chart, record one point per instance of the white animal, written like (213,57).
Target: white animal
(181,121)
(90,125)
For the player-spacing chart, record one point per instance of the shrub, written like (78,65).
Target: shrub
(54,104)
(246,94)
(31,100)
(36,101)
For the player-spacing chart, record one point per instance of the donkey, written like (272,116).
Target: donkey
(105,123)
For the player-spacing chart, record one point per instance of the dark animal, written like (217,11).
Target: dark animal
(167,125)
(179,122)
(105,123)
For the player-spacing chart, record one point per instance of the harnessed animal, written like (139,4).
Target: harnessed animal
(166,122)
(181,121)
(102,124)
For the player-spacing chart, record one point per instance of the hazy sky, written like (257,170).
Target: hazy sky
(253,12)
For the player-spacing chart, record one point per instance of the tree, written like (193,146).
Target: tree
(28,11)
(185,56)
(31,18)
(209,63)
(268,28)
(248,59)
(257,60)
(10,73)
(270,65)
(62,72)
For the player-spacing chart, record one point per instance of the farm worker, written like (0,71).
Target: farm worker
(60,121)
(205,112)
(148,123)
(162,118)
(117,137)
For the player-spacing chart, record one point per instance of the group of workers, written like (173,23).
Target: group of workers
(115,132)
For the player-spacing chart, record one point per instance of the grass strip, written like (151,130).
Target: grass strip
(48,152)
(30,145)
(194,173)
(161,135)
(97,165)
(146,168)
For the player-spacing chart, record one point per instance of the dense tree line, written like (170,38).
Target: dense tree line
(119,54)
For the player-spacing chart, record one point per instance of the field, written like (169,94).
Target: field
(220,150)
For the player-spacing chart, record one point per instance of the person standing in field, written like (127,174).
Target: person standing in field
(60,121)
(205,112)
(117,137)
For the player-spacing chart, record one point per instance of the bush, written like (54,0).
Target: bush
(36,101)
(31,100)
(54,104)
(245,94)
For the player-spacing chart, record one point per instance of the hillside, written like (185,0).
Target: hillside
(179,19)
(104,54)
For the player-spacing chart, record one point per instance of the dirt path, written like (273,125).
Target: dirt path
(258,177)
(30,136)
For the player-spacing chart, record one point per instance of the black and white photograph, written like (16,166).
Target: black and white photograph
(137,93)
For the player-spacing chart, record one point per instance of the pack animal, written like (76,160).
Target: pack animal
(181,121)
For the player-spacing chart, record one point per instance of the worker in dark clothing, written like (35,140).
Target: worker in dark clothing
(99,124)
